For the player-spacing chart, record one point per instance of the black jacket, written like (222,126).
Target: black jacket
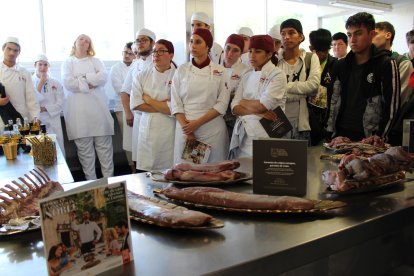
(380,86)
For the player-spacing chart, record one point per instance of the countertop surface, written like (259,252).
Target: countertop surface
(249,243)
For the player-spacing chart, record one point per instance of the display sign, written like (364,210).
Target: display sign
(86,230)
(280,167)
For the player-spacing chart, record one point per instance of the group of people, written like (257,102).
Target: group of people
(220,95)
(117,243)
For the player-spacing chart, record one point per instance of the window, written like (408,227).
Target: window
(108,23)
(20,18)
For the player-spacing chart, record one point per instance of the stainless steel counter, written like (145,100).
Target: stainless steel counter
(12,169)
(379,223)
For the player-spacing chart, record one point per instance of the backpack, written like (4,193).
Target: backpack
(316,114)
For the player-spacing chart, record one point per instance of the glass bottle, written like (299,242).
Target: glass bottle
(25,128)
(35,126)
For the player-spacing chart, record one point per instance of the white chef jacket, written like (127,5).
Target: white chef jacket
(194,92)
(245,59)
(235,73)
(86,110)
(155,145)
(135,68)
(19,87)
(215,52)
(296,106)
(268,86)
(118,74)
(51,96)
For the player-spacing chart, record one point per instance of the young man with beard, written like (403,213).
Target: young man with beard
(118,74)
(366,92)
(19,98)
(145,40)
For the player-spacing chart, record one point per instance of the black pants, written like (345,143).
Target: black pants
(87,247)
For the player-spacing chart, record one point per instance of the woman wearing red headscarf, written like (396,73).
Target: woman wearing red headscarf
(151,94)
(259,92)
(199,100)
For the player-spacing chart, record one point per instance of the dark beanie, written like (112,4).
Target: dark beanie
(205,35)
(262,42)
(167,44)
(236,40)
(292,23)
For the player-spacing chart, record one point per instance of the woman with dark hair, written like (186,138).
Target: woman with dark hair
(151,94)
(259,93)
(57,262)
(200,97)
(88,120)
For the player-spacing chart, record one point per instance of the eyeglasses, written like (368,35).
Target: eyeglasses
(144,40)
(127,53)
(160,52)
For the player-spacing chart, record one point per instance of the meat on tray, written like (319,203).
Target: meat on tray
(221,198)
(376,170)
(197,176)
(164,213)
(21,199)
(211,167)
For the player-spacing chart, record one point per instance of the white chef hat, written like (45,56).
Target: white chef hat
(274,32)
(245,31)
(12,39)
(41,57)
(201,16)
(145,32)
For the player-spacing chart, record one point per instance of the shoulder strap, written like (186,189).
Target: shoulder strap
(308,59)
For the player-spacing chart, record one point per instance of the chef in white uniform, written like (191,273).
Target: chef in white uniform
(145,40)
(274,32)
(151,94)
(87,117)
(235,71)
(259,93)
(17,82)
(246,33)
(200,97)
(118,74)
(201,20)
(50,95)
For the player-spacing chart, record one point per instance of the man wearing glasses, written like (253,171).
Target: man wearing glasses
(123,114)
(145,40)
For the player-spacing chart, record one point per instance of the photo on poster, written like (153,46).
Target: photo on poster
(86,231)
(196,152)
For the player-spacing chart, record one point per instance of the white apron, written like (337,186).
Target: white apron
(248,127)
(86,110)
(155,147)
(199,92)
(126,134)
(136,67)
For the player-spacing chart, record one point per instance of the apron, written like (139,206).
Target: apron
(248,127)
(155,143)
(199,90)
